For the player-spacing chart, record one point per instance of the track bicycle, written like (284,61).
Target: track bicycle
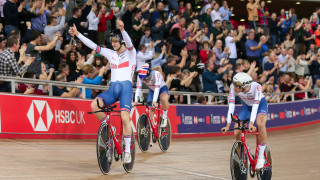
(148,131)
(242,160)
(111,145)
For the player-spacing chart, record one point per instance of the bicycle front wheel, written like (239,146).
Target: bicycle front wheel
(143,133)
(266,173)
(164,136)
(128,167)
(239,163)
(104,148)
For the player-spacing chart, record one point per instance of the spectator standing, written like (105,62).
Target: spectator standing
(264,48)
(252,48)
(288,43)
(50,31)
(231,40)
(291,66)
(283,60)
(93,23)
(8,62)
(172,61)
(40,22)
(263,14)
(252,8)
(218,32)
(215,14)
(180,25)
(188,14)
(209,78)
(25,16)
(273,67)
(317,36)
(204,52)
(221,53)
(157,32)
(142,56)
(274,28)
(205,18)
(315,69)
(159,12)
(192,66)
(34,48)
(226,14)
(284,25)
(137,28)
(10,12)
(102,26)
(177,43)
(298,34)
(127,17)
(191,35)
(76,20)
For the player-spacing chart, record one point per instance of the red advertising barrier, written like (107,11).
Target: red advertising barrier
(51,117)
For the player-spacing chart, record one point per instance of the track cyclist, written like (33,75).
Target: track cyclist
(122,62)
(254,107)
(155,81)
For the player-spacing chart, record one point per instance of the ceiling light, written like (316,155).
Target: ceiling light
(232,15)
(298,3)
(269,1)
(242,20)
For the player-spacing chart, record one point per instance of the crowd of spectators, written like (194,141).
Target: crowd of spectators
(193,43)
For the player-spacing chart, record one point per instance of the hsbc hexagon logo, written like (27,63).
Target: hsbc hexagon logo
(40,115)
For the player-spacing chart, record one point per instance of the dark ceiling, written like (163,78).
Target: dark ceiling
(305,9)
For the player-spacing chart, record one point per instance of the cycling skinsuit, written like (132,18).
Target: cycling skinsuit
(254,103)
(122,69)
(156,86)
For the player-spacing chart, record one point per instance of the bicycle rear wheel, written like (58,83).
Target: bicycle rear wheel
(143,133)
(104,148)
(128,167)
(239,169)
(164,135)
(266,173)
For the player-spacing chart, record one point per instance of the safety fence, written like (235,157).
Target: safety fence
(50,84)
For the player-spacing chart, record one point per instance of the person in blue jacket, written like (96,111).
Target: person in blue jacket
(88,74)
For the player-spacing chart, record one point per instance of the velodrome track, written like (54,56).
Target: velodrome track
(295,156)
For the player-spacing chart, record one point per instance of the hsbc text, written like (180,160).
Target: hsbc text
(65,116)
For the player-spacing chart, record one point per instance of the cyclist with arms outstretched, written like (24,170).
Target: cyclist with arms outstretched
(157,89)
(122,62)
(254,107)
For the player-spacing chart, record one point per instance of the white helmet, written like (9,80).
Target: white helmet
(242,80)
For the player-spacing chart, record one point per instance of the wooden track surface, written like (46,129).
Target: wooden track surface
(295,157)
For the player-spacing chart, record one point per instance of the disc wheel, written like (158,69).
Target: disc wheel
(104,148)
(143,133)
(164,136)
(239,170)
(266,173)
(128,167)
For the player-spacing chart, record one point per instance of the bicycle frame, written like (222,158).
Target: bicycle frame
(245,147)
(154,127)
(117,142)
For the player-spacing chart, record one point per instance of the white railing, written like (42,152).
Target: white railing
(14,80)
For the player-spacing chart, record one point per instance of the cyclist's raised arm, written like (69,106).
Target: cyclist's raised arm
(104,51)
(257,98)
(125,35)
(138,89)
(231,103)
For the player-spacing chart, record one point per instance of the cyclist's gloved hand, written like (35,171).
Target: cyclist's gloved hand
(252,128)
(134,104)
(225,129)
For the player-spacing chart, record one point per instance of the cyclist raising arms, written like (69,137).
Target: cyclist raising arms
(254,107)
(154,80)
(122,62)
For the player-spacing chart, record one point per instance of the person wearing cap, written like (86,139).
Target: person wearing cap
(122,61)
(157,90)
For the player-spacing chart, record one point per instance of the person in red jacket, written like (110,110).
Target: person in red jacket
(30,88)
(204,52)
(102,26)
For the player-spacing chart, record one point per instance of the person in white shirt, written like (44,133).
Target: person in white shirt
(122,62)
(291,66)
(93,23)
(283,60)
(231,40)
(215,14)
(143,55)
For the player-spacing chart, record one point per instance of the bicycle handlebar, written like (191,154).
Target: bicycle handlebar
(144,104)
(104,108)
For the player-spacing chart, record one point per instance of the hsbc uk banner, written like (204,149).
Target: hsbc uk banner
(51,117)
